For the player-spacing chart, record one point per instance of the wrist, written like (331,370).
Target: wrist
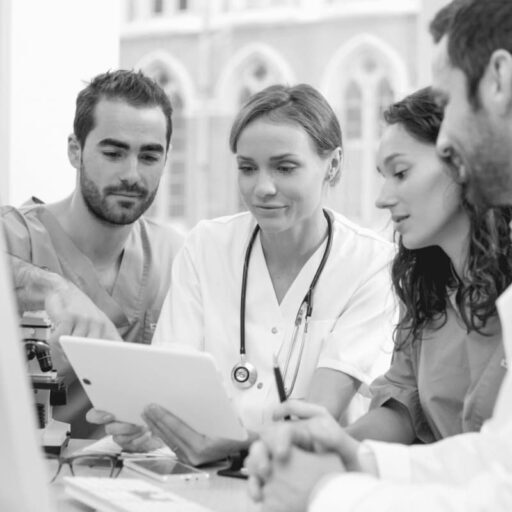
(33,284)
(367,460)
(52,282)
(348,451)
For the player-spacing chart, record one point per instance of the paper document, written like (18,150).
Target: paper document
(108,445)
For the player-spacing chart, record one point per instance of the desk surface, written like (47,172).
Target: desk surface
(220,494)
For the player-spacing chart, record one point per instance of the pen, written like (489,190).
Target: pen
(279,383)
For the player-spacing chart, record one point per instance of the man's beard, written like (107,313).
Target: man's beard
(122,212)
(489,166)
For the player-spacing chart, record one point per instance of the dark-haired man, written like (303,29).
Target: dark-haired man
(91,260)
(470,472)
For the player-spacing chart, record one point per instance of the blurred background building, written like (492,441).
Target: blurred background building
(211,55)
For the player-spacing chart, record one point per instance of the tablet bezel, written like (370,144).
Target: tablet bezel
(122,378)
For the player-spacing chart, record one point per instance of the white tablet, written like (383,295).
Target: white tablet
(123,378)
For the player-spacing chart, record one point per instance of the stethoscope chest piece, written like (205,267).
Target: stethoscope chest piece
(244,374)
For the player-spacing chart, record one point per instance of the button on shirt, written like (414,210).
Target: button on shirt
(350,330)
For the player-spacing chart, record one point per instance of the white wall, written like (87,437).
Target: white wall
(54,46)
(425,42)
(4,98)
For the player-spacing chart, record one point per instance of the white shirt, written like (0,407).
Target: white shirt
(465,473)
(349,331)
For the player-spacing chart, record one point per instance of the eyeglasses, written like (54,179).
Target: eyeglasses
(90,464)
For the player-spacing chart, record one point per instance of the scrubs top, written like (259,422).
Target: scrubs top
(448,380)
(349,331)
(34,234)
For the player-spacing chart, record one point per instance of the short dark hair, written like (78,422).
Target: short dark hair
(475,29)
(300,104)
(423,278)
(133,87)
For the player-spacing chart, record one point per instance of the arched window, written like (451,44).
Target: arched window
(255,75)
(177,167)
(385,98)
(252,68)
(157,7)
(171,200)
(361,97)
(353,111)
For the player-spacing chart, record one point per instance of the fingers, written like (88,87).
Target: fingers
(128,430)
(298,408)
(146,443)
(167,423)
(74,313)
(99,417)
(255,488)
(167,427)
(137,442)
(129,437)
(258,462)
(188,445)
(278,441)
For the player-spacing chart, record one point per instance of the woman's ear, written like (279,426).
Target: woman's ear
(334,169)
(74,152)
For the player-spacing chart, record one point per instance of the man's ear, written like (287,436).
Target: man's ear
(74,152)
(497,83)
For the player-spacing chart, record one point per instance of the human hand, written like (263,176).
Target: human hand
(299,409)
(73,313)
(292,481)
(131,438)
(320,433)
(188,445)
(316,430)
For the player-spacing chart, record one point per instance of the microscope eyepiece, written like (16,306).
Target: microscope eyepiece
(41,350)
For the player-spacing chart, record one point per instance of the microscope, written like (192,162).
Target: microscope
(49,388)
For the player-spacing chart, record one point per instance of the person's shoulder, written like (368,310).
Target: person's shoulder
(344,224)
(162,232)
(223,227)
(361,240)
(27,212)
(234,221)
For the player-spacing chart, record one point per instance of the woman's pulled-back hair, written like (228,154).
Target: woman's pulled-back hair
(302,105)
(423,278)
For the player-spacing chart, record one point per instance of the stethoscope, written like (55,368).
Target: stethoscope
(244,374)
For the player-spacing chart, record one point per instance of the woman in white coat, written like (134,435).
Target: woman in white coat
(307,268)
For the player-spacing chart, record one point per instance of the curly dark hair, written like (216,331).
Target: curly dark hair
(423,278)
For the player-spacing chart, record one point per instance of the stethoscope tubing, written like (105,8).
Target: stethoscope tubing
(306,301)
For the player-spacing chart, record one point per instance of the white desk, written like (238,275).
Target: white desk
(218,493)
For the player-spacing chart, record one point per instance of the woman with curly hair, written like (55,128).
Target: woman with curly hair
(452,263)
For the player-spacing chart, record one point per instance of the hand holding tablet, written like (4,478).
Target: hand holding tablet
(123,378)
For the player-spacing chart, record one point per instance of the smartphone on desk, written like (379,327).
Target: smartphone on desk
(163,469)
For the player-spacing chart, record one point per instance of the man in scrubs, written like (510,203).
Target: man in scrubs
(314,464)
(91,260)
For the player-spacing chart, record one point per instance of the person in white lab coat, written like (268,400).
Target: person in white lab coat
(467,472)
(288,148)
